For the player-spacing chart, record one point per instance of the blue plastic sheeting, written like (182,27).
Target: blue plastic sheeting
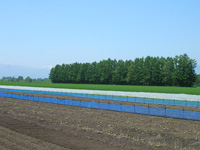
(84,104)
(94,105)
(69,102)
(105,106)
(183,114)
(115,107)
(141,110)
(193,115)
(61,102)
(128,108)
(157,111)
(174,113)
(115,98)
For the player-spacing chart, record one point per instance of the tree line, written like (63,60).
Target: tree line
(21,79)
(197,83)
(154,71)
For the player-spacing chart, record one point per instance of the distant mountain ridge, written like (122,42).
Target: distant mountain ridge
(15,71)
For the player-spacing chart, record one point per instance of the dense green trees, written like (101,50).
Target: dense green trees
(184,73)
(28,79)
(20,78)
(178,71)
(197,83)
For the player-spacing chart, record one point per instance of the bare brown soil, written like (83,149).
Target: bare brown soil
(52,126)
(10,139)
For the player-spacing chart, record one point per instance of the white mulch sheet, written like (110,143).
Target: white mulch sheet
(114,93)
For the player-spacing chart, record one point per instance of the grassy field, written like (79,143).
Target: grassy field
(128,88)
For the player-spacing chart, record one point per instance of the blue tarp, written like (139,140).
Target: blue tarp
(183,114)
(115,98)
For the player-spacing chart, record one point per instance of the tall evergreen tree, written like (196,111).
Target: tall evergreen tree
(184,74)
(167,72)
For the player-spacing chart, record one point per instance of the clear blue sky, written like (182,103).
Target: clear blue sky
(41,33)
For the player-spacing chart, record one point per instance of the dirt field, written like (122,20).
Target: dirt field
(35,125)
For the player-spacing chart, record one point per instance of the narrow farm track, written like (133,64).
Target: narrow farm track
(79,128)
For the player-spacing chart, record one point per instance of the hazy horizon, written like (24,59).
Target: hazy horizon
(38,34)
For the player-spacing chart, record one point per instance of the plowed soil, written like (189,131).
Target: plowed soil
(37,125)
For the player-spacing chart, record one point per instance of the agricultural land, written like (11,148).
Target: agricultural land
(52,126)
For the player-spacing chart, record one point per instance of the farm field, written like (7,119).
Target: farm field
(128,88)
(79,128)
(10,139)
